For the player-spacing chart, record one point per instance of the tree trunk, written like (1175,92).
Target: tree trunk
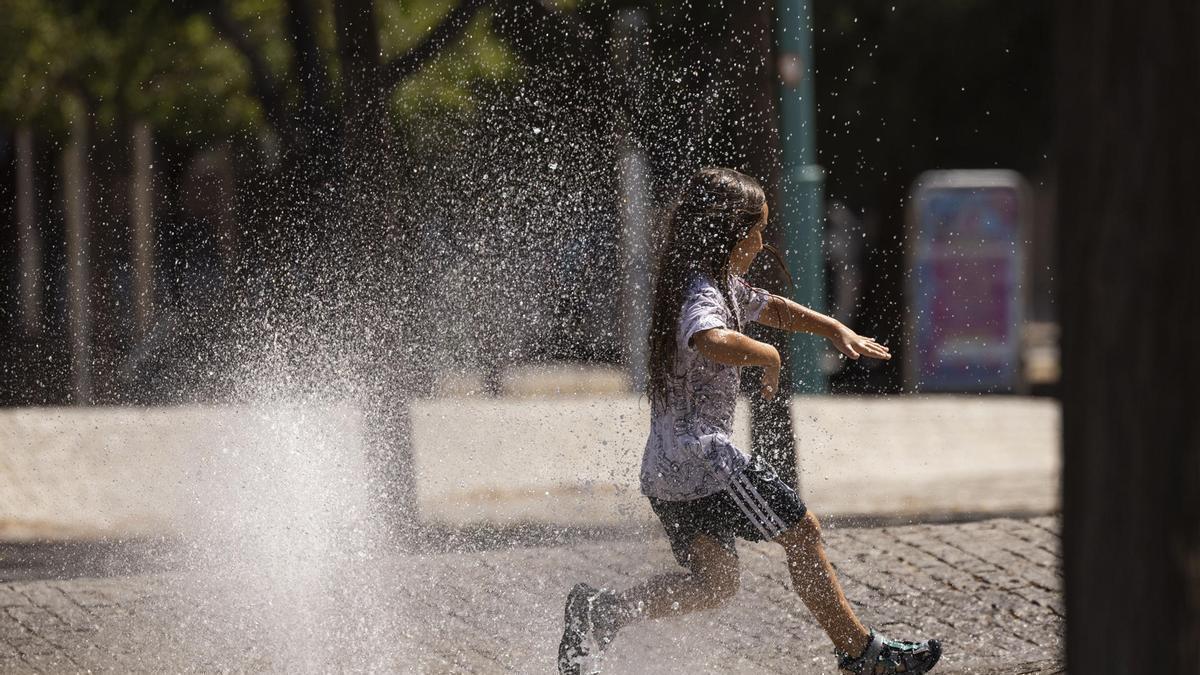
(630,39)
(77,214)
(752,127)
(364,113)
(314,113)
(29,237)
(1129,83)
(142,241)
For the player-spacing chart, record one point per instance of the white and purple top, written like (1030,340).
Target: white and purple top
(690,453)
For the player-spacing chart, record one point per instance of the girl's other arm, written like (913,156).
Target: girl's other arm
(791,316)
(735,349)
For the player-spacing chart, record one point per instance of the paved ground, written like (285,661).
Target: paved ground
(989,589)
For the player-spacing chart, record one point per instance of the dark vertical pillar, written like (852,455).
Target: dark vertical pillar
(1129,162)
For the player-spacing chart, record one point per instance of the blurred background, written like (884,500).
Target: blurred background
(440,219)
(169,168)
(443,218)
(405,210)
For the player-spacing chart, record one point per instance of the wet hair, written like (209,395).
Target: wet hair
(715,210)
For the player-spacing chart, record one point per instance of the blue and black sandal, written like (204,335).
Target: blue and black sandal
(891,657)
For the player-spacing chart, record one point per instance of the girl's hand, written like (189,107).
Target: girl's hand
(854,345)
(770,382)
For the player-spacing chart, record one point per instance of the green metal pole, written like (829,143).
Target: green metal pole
(801,202)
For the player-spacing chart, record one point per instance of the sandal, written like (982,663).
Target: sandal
(590,619)
(891,657)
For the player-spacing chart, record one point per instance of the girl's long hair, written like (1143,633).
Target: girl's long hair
(716,209)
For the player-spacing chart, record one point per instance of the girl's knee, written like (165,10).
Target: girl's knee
(805,533)
(811,523)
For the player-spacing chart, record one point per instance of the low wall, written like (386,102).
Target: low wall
(70,473)
(575,460)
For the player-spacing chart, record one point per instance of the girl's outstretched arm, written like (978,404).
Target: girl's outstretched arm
(792,316)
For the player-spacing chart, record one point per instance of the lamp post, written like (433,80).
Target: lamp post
(801,202)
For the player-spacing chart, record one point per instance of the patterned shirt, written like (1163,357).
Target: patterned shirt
(690,453)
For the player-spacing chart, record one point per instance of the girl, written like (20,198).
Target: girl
(704,489)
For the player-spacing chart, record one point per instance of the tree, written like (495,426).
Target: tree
(317,72)
(1129,157)
(751,128)
(74,70)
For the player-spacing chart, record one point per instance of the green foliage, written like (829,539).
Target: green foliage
(145,63)
(32,38)
(203,91)
(167,64)
(445,87)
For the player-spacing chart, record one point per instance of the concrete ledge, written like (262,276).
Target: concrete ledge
(575,461)
(542,380)
(72,473)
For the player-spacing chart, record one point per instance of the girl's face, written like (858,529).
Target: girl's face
(744,251)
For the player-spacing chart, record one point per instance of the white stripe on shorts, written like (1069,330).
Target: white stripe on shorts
(760,519)
(773,520)
(750,516)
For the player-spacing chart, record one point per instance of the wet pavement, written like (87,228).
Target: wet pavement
(991,590)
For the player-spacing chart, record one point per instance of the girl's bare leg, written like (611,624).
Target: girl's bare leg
(713,580)
(814,581)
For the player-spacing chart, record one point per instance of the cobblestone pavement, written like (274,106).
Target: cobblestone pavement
(990,590)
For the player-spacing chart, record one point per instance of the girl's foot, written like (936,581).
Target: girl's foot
(888,657)
(591,624)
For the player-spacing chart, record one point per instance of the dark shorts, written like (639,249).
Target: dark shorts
(756,506)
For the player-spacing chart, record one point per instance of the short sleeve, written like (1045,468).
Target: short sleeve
(702,309)
(751,299)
